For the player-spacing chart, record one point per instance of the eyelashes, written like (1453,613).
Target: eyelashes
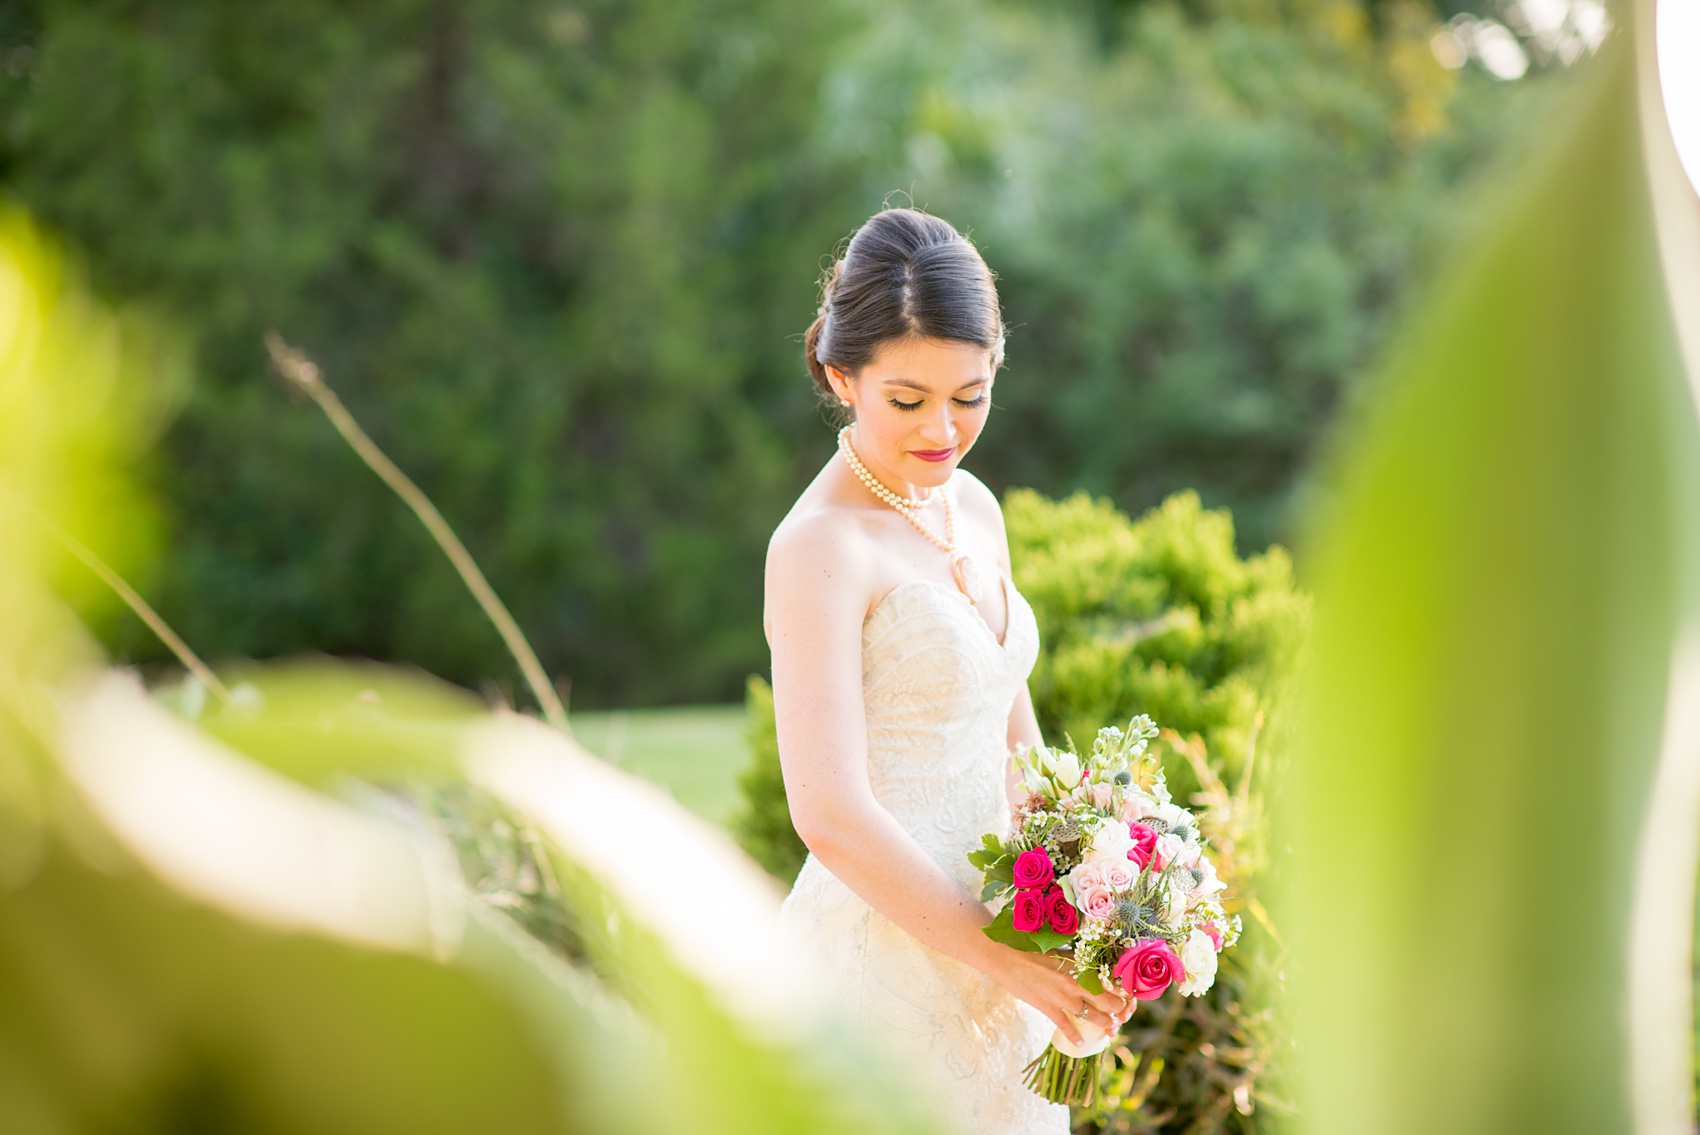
(968,405)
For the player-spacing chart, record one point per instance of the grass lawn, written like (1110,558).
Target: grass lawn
(695,752)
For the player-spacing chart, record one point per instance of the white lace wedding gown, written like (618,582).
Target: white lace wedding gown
(938,688)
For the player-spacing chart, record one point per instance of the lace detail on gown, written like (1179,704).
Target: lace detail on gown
(937,688)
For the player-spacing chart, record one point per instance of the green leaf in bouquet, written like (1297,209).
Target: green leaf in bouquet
(1002,929)
(1089,982)
(995,888)
(988,853)
(1045,939)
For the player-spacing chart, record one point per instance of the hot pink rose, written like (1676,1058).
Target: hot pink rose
(1063,917)
(1033,869)
(1028,913)
(1144,843)
(1145,970)
(1099,903)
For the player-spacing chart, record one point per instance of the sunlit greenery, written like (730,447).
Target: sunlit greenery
(557,257)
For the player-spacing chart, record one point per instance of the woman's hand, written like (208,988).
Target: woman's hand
(1043,982)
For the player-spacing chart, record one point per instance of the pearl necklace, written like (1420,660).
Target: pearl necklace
(962,567)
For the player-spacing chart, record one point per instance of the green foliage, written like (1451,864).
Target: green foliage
(1159,616)
(556,259)
(198,932)
(762,823)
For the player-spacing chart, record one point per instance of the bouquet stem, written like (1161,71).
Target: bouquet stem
(1061,1078)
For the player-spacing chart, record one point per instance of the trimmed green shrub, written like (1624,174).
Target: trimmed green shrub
(762,823)
(1158,616)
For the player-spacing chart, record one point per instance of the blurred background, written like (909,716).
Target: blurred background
(558,260)
(1408,286)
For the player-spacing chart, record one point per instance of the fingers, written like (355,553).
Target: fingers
(1106,1002)
(1067,1025)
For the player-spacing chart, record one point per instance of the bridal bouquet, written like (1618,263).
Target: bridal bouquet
(1102,867)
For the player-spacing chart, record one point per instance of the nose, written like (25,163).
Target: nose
(940,428)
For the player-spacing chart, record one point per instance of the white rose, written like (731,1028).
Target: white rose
(1198,959)
(1110,843)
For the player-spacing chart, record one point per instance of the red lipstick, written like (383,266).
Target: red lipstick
(934,454)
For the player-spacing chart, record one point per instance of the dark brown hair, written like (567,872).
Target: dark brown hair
(904,275)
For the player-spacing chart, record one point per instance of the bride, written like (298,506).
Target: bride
(900,659)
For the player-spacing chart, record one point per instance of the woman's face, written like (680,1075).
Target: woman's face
(920,405)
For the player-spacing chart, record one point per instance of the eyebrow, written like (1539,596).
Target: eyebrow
(927,389)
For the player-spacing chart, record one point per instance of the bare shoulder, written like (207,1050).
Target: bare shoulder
(817,565)
(816,544)
(977,501)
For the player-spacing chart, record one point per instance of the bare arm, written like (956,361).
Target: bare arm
(1023,730)
(816,601)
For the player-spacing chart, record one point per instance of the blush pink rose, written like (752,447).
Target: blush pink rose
(1145,970)
(1136,807)
(1215,934)
(1064,919)
(1028,913)
(1101,797)
(1099,902)
(1118,876)
(1144,843)
(1168,846)
(1033,869)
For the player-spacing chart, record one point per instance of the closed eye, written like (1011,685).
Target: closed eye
(965,403)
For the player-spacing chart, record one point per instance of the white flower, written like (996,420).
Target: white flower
(1177,904)
(1064,768)
(1174,815)
(1211,885)
(1198,958)
(1110,843)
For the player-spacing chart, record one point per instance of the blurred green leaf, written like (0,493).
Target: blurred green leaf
(1498,588)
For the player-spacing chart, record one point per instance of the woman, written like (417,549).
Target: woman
(900,659)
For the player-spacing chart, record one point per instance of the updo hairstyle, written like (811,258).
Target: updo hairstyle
(904,275)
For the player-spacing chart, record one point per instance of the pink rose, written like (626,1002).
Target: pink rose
(1063,917)
(1086,875)
(1033,869)
(1145,970)
(1029,911)
(1136,807)
(1168,846)
(1118,876)
(1144,843)
(1099,903)
(1101,797)
(1215,934)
